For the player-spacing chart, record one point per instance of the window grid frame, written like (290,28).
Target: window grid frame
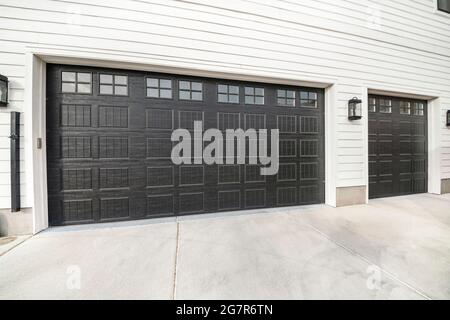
(402,105)
(383,105)
(113,85)
(159,88)
(285,98)
(309,92)
(254,96)
(76,82)
(374,105)
(228,94)
(416,109)
(190,90)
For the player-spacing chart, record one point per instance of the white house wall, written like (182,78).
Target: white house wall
(391,44)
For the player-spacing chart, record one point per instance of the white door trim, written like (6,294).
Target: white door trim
(433,126)
(35,124)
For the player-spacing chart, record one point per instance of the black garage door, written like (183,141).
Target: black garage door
(397,146)
(108,138)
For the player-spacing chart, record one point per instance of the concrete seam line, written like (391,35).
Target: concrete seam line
(16,245)
(177,247)
(388,273)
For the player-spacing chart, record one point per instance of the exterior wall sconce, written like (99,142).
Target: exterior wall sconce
(448,118)
(3,91)
(354,109)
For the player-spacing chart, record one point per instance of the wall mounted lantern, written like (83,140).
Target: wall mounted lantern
(448,118)
(354,109)
(3,91)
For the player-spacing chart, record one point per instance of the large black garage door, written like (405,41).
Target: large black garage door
(108,137)
(397,146)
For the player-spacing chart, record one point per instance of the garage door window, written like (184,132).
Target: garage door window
(405,107)
(418,109)
(254,95)
(190,90)
(113,85)
(286,98)
(76,82)
(159,88)
(385,106)
(308,99)
(227,93)
(372,105)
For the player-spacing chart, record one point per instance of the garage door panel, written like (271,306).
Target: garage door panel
(109,156)
(397,149)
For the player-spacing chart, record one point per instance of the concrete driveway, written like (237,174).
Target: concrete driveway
(395,248)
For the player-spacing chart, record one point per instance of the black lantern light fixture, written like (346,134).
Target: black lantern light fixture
(3,91)
(354,109)
(448,118)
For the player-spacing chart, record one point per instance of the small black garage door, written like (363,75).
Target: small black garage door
(108,138)
(397,146)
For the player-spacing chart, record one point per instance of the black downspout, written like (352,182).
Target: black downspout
(15,161)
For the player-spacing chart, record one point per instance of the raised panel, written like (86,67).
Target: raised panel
(405,147)
(76,179)
(287,172)
(114,208)
(287,196)
(418,147)
(191,175)
(309,194)
(160,176)
(385,147)
(255,198)
(186,119)
(288,148)
(253,174)
(227,120)
(385,127)
(159,119)
(159,148)
(160,204)
(309,148)
(75,116)
(309,171)
(76,147)
(255,121)
(229,174)
(287,124)
(309,125)
(112,117)
(386,168)
(191,202)
(77,210)
(113,147)
(113,178)
(229,200)
(405,166)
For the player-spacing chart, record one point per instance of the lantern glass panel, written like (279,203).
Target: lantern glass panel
(3,91)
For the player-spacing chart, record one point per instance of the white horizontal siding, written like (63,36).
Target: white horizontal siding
(410,49)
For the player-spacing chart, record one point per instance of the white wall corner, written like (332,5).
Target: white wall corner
(34,124)
(434,146)
(330,144)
